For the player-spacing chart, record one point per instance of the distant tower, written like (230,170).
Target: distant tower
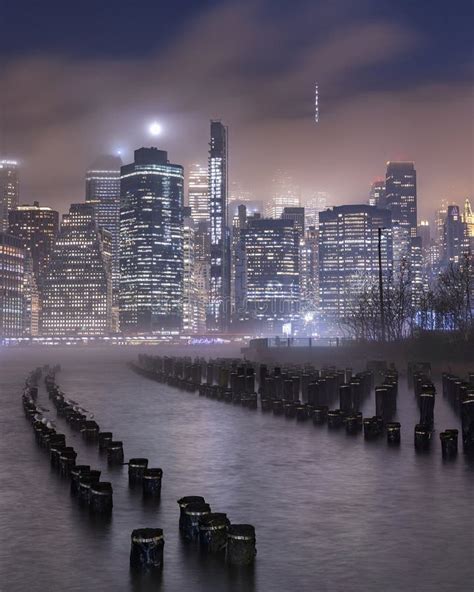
(219,297)
(400,195)
(103,192)
(9,190)
(285,194)
(198,193)
(468,218)
(377,194)
(454,236)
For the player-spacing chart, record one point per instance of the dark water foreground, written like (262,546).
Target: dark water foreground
(332,512)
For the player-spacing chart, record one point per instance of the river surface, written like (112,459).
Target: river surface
(332,512)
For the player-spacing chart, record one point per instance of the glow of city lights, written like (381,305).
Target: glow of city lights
(155,128)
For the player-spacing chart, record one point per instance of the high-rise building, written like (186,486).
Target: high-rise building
(151,244)
(198,193)
(377,194)
(416,270)
(37,228)
(77,290)
(309,270)
(400,196)
(9,190)
(468,218)
(285,194)
(316,203)
(12,284)
(239,225)
(103,192)
(348,254)
(272,282)
(219,290)
(297,215)
(194,311)
(31,314)
(425,234)
(454,236)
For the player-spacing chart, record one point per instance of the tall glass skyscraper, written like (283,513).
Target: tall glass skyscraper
(9,190)
(151,244)
(219,297)
(400,195)
(198,193)
(103,192)
(77,290)
(12,285)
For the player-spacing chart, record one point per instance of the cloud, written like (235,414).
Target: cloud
(256,70)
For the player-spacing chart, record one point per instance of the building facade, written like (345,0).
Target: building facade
(151,244)
(103,192)
(194,309)
(198,192)
(37,227)
(77,289)
(219,310)
(9,190)
(348,254)
(400,196)
(12,286)
(454,236)
(272,274)
(377,194)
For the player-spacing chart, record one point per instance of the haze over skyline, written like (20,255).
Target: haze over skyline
(394,83)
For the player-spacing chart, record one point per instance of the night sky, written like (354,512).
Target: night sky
(395,80)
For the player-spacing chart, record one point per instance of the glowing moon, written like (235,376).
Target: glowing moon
(155,128)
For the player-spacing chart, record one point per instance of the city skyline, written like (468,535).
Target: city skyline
(423,111)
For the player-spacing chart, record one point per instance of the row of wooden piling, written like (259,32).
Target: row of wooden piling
(85,483)
(460,393)
(212,532)
(305,393)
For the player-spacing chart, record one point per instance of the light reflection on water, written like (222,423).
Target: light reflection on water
(332,512)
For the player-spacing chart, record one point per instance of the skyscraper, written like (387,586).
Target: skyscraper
(151,244)
(297,215)
(377,194)
(37,228)
(12,282)
(400,196)
(272,282)
(103,192)
(198,193)
(314,205)
(219,296)
(77,290)
(348,254)
(194,311)
(9,190)
(454,236)
(468,218)
(309,269)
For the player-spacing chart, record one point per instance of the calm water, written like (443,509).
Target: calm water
(332,512)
